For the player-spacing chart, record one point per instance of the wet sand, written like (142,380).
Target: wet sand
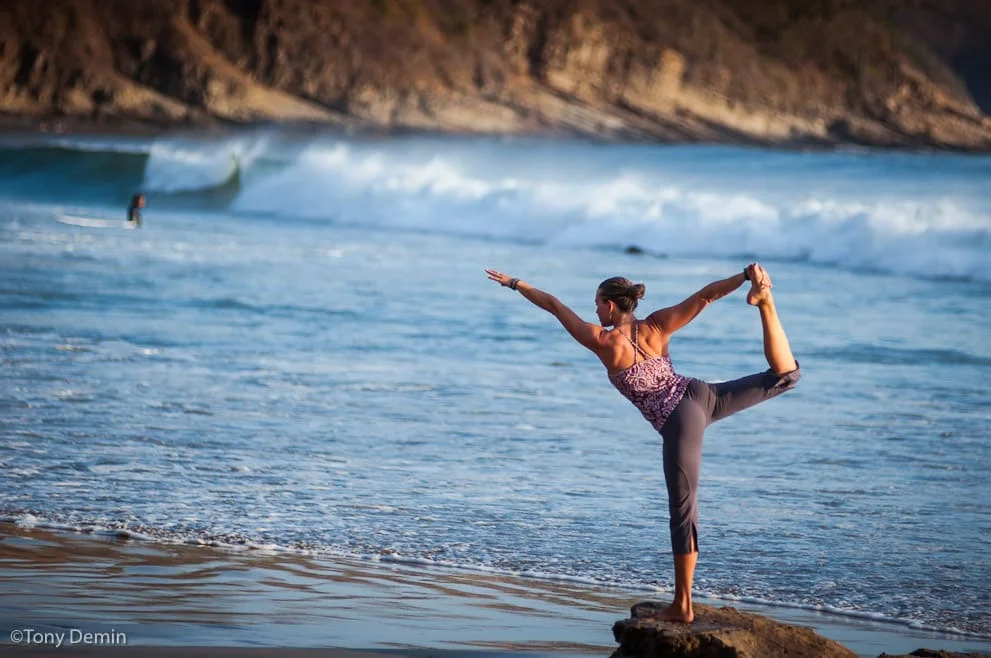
(181,600)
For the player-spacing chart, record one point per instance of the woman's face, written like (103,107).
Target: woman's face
(603,310)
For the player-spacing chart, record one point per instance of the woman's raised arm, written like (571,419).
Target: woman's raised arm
(673,318)
(586,333)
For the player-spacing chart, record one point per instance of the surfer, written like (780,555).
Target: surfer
(635,355)
(134,209)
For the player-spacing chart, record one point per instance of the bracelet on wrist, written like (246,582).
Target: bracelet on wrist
(746,274)
(513,283)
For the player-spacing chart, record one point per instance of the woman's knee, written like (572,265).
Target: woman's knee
(789,380)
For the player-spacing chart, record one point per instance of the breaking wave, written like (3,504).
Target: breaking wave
(920,214)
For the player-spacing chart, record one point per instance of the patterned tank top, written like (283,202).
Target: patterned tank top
(651,385)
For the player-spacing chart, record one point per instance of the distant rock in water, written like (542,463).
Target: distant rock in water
(718,633)
(636,250)
(765,72)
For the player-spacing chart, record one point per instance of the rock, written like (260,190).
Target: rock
(718,633)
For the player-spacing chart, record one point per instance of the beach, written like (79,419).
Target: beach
(290,410)
(182,600)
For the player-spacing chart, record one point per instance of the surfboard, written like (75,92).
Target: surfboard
(94,222)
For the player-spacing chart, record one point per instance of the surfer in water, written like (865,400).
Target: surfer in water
(635,355)
(134,209)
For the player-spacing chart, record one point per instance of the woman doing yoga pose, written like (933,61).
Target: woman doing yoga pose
(635,355)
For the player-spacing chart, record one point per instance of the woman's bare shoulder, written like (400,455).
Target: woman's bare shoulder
(655,338)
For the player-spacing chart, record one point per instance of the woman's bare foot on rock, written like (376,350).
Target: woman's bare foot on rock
(760,285)
(677,614)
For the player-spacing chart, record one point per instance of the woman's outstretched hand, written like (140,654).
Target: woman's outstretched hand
(502,279)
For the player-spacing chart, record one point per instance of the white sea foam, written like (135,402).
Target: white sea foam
(919,214)
(839,221)
(183,165)
(29,521)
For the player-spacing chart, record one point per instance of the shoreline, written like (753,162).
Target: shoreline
(69,126)
(185,599)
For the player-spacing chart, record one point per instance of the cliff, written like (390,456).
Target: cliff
(906,73)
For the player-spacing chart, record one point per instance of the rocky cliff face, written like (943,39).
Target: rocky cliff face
(885,72)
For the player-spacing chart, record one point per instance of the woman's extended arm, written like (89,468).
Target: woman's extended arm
(586,333)
(673,318)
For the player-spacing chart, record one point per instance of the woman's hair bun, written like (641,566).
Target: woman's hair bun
(622,291)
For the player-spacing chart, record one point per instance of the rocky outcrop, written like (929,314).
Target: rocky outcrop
(884,72)
(718,633)
(729,633)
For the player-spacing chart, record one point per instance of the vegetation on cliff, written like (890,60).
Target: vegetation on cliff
(886,72)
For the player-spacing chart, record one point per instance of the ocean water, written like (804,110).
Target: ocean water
(299,350)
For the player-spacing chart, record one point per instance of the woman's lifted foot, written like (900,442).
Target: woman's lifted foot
(760,284)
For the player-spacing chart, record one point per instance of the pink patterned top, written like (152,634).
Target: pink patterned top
(652,386)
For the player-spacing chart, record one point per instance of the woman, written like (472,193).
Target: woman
(635,355)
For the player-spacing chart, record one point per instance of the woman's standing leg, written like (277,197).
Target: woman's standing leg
(683,433)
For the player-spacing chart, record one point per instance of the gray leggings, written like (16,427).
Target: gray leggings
(703,404)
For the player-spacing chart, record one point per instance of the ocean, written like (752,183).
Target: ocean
(299,351)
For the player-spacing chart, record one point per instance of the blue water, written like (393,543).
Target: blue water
(300,349)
